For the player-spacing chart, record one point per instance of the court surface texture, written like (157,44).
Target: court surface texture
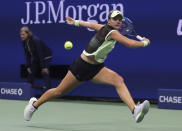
(71,115)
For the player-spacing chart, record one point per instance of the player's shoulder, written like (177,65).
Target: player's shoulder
(116,35)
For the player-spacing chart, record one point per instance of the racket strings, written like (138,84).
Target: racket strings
(127,28)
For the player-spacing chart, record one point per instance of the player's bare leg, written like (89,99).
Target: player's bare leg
(107,76)
(110,77)
(67,84)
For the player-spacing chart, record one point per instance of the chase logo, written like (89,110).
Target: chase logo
(170,99)
(11,91)
(20,91)
(16,91)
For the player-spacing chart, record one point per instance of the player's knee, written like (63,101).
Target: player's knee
(59,93)
(119,81)
(56,92)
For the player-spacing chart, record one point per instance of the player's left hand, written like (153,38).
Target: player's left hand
(70,20)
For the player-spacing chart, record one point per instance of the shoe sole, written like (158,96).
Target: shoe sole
(141,115)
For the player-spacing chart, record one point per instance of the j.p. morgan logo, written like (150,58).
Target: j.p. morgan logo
(12,91)
(179,28)
(47,12)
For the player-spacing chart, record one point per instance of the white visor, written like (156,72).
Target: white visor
(115,13)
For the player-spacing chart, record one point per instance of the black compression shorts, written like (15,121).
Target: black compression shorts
(83,70)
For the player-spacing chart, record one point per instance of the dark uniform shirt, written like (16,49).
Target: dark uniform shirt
(36,49)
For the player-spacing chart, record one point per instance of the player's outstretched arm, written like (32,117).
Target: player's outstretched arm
(129,42)
(86,24)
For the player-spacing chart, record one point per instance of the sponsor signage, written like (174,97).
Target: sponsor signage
(170,98)
(179,28)
(18,91)
(49,12)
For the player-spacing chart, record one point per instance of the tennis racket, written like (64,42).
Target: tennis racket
(127,29)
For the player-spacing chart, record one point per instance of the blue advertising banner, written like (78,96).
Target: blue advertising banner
(145,70)
(170,98)
(17,91)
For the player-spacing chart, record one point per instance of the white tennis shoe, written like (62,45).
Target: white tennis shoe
(141,110)
(29,109)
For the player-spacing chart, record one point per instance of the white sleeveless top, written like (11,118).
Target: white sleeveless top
(99,47)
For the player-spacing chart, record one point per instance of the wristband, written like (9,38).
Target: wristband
(76,23)
(145,43)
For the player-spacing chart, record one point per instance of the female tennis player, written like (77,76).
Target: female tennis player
(90,66)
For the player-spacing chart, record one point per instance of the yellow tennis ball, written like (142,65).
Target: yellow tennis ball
(68,45)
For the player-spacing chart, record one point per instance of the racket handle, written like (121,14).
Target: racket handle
(139,37)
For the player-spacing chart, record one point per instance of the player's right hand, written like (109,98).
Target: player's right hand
(145,39)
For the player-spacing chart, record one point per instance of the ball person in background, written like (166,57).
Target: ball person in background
(38,56)
(90,66)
